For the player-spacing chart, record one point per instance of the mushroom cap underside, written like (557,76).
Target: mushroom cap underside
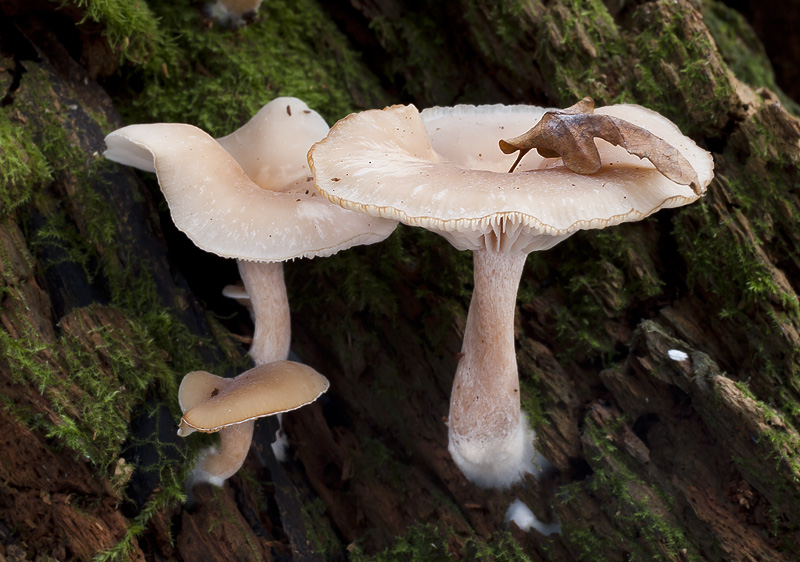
(444,171)
(223,211)
(211,403)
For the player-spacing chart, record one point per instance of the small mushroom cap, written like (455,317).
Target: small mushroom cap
(211,403)
(444,171)
(223,210)
(236,292)
(271,148)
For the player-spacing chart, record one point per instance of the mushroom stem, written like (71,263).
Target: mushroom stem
(217,464)
(264,282)
(489,440)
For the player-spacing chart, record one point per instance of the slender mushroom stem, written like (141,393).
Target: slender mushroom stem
(264,282)
(217,464)
(489,439)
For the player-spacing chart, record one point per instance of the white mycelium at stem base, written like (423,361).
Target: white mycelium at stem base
(489,440)
(264,282)
(444,171)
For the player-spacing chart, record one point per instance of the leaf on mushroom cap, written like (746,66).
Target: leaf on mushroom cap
(570,134)
(383,162)
(210,402)
(223,210)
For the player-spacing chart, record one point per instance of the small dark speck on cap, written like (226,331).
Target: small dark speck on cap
(289,110)
(214,392)
(306,111)
(336,179)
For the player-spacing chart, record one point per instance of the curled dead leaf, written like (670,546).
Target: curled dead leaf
(569,134)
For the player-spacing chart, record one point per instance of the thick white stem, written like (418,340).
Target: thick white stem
(264,283)
(489,440)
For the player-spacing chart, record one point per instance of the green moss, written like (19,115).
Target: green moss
(779,443)
(102,361)
(532,399)
(218,78)
(415,42)
(425,543)
(582,52)
(94,243)
(374,458)
(742,50)
(679,74)
(22,165)
(731,249)
(597,275)
(130,27)
(318,529)
(644,528)
(571,36)
(92,388)
(169,494)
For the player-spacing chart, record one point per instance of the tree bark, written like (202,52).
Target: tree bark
(104,307)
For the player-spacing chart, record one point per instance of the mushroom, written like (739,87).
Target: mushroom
(249,196)
(230,406)
(444,171)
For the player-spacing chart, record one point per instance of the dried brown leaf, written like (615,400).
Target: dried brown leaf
(569,134)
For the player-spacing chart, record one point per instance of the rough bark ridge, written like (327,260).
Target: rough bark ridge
(655,458)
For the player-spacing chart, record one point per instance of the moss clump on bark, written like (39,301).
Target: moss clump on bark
(425,543)
(217,78)
(649,530)
(731,247)
(579,42)
(85,320)
(743,52)
(130,27)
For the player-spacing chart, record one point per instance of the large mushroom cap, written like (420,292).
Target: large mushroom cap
(444,171)
(220,205)
(211,403)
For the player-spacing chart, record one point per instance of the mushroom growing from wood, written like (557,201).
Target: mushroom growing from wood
(250,196)
(444,171)
(230,406)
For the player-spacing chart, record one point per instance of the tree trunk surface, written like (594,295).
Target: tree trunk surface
(104,306)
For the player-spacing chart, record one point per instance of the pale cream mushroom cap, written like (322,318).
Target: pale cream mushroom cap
(443,171)
(214,201)
(211,403)
(271,148)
